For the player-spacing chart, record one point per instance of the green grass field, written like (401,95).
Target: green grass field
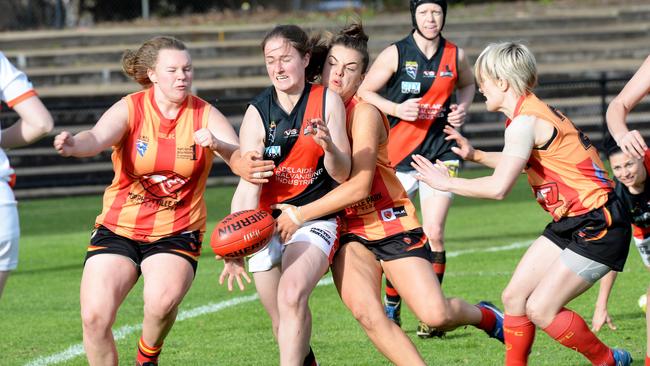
(39,311)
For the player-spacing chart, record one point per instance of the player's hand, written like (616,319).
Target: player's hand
(632,143)
(408,110)
(457,116)
(288,222)
(64,143)
(601,317)
(253,169)
(205,138)
(435,175)
(465,150)
(320,133)
(234,269)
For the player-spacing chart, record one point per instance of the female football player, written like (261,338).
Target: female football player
(589,235)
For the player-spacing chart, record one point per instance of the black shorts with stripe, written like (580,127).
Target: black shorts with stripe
(186,245)
(602,235)
(412,243)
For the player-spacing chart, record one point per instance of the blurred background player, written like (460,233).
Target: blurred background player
(589,235)
(154,215)
(35,121)
(419,74)
(381,231)
(630,162)
(631,187)
(301,126)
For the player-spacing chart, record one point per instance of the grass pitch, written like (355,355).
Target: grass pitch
(39,311)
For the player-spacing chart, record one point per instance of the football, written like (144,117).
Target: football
(242,233)
(643,302)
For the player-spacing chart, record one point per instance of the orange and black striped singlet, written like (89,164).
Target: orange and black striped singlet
(567,176)
(160,174)
(387,210)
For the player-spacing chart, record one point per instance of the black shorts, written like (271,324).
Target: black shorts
(412,243)
(186,245)
(602,235)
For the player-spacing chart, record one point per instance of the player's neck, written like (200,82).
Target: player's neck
(427,46)
(288,100)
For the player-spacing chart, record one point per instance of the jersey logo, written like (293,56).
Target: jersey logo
(141,146)
(410,87)
(272,152)
(163,184)
(548,196)
(447,73)
(391,214)
(411,68)
(429,74)
(272,127)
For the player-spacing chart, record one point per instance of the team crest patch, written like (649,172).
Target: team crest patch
(272,152)
(411,68)
(447,73)
(141,146)
(163,184)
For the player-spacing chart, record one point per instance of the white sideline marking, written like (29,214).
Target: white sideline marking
(120,333)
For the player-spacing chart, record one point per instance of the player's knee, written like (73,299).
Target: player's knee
(439,319)
(291,295)
(367,319)
(512,299)
(434,233)
(161,308)
(538,313)
(96,321)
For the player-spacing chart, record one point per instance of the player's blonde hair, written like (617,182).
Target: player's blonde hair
(508,61)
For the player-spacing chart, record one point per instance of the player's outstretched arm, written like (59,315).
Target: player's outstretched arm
(107,132)
(630,141)
(221,138)
(601,316)
(35,122)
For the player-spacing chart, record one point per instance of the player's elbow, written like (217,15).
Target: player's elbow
(501,193)
(40,125)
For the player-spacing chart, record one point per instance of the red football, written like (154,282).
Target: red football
(242,233)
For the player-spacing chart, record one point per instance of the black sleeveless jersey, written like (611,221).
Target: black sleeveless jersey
(300,176)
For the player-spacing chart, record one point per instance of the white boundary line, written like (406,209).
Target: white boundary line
(120,333)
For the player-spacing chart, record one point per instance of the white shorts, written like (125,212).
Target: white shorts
(644,250)
(412,185)
(9,234)
(321,233)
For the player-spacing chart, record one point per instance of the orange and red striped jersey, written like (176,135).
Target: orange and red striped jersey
(300,176)
(387,210)
(566,175)
(160,173)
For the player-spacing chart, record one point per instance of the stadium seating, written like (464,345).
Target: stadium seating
(584,55)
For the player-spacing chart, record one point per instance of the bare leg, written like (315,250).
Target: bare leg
(434,216)
(106,280)
(357,276)
(266,284)
(415,280)
(167,278)
(531,268)
(302,266)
